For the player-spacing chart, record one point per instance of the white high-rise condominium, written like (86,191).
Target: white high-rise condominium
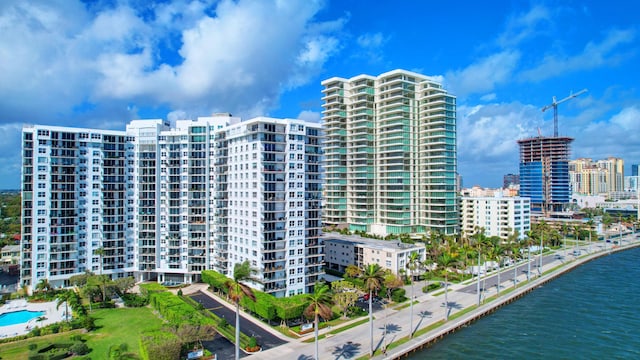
(76,191)
(269,178)
(390,154)
(165,203)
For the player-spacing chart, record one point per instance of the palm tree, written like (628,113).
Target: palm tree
(495,253)
(391,283)
(100,252)
(319,306)
(372,275)
(237,290)
(412,265)
(44,286)
(447,260)
(68,297)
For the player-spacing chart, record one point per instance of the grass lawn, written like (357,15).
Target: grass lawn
(120,326)
(114,327)
(19,350)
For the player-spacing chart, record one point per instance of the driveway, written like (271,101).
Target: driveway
(264,337)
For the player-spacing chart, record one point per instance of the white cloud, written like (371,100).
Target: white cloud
(524,26)
(177,55)
(483,75)
(312,116)
(488,97)
(371,46)
(593,55)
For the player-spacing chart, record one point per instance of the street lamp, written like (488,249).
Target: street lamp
(541,247)
(478,285)
(528,262)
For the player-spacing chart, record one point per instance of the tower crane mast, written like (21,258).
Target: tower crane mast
(554,105)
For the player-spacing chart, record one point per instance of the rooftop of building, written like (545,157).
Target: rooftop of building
(372,243)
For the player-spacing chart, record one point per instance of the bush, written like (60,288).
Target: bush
(356,311)
(32,346)
(431,287)
(79,348)
(223,323)
(134,300)
(253,345)
(88,323)
(398,295)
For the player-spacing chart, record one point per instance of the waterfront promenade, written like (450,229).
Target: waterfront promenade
(355,342)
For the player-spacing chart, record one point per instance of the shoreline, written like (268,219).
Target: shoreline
(424,341)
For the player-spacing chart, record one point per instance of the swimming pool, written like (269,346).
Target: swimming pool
(18,317)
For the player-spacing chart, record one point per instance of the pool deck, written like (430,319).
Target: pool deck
(51,314)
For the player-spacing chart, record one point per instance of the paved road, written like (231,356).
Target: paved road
(356,342)
(265,338)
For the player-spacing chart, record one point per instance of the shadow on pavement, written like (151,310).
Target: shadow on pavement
(346,351)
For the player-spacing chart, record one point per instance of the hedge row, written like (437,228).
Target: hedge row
(266,306)
(175,310)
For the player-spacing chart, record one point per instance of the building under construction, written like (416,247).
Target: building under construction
(544,173)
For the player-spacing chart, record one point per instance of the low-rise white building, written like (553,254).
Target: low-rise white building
(497,215)
(344,250)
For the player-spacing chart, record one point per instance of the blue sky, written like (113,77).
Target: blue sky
(102,63)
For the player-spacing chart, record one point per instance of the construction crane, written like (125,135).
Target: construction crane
(554,105)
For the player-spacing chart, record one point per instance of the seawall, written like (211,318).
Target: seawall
(424,341)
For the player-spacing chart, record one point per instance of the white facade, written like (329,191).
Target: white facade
(269,177)
(497,215)
(75,202)
(342,251)
(166,203)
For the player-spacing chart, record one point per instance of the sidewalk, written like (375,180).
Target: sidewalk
(355,342)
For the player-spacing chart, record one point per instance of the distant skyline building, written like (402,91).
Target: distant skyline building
(510,180)
(544,173)
(634,170)
(590,177)
(162,203)
(390,154)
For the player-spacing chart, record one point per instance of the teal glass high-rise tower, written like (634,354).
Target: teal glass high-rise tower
(390,154)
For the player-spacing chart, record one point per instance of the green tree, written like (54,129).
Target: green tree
(237,290)
(373,276)
(446,262)
(352,271)
(124,284)
(495,253)
(413,264)
(319,306)
(44,286)
(343,295)
(68,298)
(101,252)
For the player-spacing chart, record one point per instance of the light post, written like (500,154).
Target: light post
(478,285)
(620,230)
(528,262)
(541,247)
(412,296)
(515,269)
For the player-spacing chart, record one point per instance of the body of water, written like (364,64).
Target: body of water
(18,317)
(591,312)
